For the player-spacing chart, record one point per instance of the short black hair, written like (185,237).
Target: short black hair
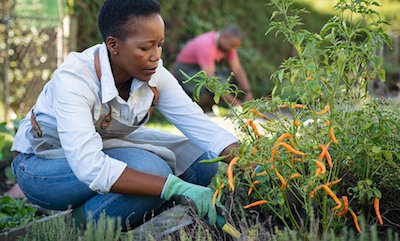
(114,14)
(232,31)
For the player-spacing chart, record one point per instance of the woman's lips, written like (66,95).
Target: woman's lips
(151,71)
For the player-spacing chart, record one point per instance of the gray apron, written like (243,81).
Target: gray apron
(178,151)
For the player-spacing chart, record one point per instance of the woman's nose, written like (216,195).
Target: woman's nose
(156,54)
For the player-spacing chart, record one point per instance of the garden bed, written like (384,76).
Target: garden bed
(20,231)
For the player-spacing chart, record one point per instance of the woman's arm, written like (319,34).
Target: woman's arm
(135,182)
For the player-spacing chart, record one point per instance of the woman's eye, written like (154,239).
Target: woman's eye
(145,49)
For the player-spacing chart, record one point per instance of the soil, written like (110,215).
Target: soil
(5,185)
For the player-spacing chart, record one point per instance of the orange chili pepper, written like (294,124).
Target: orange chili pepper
(230,172)
(327,184)
(345,206)
(317,172)
(321,165)
(329,159)
(300,106)
(273,154)
(251,188)
(327,122)
(324,151)
(295,159)
(216,194)
(291,142)
(283,137)
(255,204)
(378,214)
(283,106)
(284,183)
(326,154)
(261,173)
(329,191)
(255,129)
(256,112)
(355,221)
(214,197)
(333,136)
(247,123)
(291,149)
(309,78)
(295,175)
(254,150)
(297,122)
(327,107)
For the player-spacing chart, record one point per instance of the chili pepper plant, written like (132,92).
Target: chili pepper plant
(297,164)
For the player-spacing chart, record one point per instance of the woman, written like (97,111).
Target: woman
(82,144)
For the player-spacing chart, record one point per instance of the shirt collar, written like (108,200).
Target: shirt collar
(108,89)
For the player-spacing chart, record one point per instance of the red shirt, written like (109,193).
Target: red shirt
(203,50)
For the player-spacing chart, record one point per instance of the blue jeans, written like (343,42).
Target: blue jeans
(51,184)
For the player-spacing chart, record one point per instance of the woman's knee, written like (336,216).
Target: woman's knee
(200,173)
(141,160)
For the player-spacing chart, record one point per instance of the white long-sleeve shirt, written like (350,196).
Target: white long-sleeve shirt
(71,101)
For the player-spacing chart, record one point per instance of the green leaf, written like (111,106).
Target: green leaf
(6,199)
(377,61)
(376,149)
(376,4)
(387,40)
(274,14)
(377,193)
(382,75)
(328,26)
(9,174)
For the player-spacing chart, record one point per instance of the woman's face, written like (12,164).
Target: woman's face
(138,54)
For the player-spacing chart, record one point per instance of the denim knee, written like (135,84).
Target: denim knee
(141,160)
(200,173)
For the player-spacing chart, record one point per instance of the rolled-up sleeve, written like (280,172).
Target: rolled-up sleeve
(189,118)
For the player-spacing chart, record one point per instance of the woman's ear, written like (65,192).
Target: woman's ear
(112,44)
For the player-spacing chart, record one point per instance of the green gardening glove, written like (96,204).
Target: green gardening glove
(196,196)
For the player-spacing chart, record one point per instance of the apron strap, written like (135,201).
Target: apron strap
(35,125)
(107,120)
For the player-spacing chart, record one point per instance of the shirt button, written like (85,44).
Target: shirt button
(103,126)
